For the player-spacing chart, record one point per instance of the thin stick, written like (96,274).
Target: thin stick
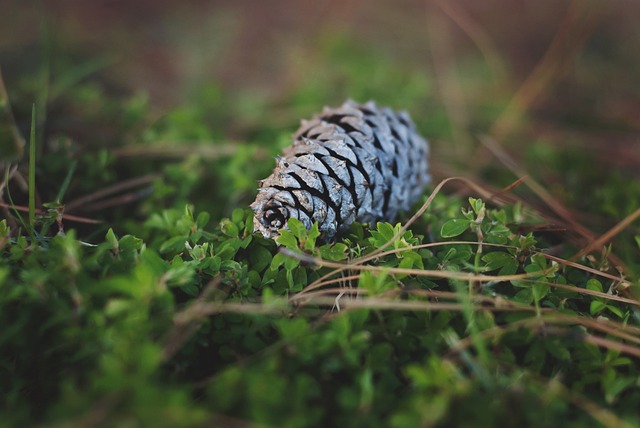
(123,185)
(463,276)
(64,216)
(608,236)
(551,67)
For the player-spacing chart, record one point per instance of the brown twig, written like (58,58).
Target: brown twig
(18,140)
(68,217)
(566,44)
(477,34)
(609,235)
(118,187)
(176,149)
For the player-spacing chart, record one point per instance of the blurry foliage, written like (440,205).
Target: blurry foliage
(180,316)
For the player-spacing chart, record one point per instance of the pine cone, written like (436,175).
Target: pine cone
(357,162)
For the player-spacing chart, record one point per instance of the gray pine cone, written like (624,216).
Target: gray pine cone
(357,162)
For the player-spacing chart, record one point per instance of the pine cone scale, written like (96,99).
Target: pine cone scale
(339,189)
(323,192)
(351,167)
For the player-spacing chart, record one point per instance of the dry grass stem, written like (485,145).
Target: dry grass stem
(176,150)
(577,25)
(118,187)
(67,217)
(609,235)
(477,34)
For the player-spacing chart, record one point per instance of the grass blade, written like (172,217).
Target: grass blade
(67,180)
(32,169)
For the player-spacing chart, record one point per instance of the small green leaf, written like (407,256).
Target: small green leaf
(287,239)
(190,289)
(249,225)
(376,282)
(297,228)
(556,348)
(130,243)
(476,204)
(175,243)
(504,261)
(236,215)
(533,268)
(203,219)
(211,265)
(277,261)
(383,234)
(260,258)
(292,329)
(386,230)
(312,235)
(416,259)
(229,228)
(291,263)
(539,291)
(596,307)
(595,285)
(228,249)
(524,296)
(4,230)
(616,311)
(333,252)
(405,263)
(111,238)
(454,227)
(614,383)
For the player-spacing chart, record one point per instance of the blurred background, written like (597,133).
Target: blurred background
(502,88)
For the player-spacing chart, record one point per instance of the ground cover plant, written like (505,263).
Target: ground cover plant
(134,291)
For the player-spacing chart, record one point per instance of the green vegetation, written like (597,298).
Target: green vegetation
(134,293)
